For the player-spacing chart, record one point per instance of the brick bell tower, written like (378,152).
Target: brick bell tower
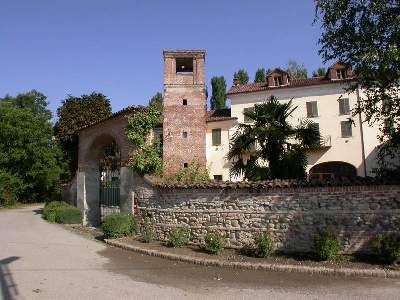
(185,101)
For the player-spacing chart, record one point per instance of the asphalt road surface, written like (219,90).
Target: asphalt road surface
(45,261)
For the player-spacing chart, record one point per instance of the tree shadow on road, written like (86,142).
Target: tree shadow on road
(8,288)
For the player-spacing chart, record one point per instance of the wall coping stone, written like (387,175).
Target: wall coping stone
(350,184)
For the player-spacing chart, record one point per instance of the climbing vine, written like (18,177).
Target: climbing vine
(147,158)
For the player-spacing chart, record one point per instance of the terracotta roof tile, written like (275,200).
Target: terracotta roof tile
(219,115)
(263,86)
(124,111)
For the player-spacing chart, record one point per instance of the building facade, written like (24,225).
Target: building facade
(348,146)
(191,134)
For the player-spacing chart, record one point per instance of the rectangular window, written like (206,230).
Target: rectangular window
(216,137)
(312,109)
(346,128)
(185,134)
(344,106)
(246,118)
(185,165)
(184,65)
(218,177)
(341,74)
(184,101)
(278,80)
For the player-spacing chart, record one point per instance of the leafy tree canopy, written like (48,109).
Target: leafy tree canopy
(157,101)
(30,159)
(366,35)
(32,100)
(320,72)
(260,75)
(242,76)
(218,97)
(75,113)
(296,71)
(270,147)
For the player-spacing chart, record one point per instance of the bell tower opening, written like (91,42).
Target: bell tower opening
(184,65)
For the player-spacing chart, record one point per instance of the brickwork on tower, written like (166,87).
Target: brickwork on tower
(184,124)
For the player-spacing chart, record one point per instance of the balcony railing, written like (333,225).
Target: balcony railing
(326,141)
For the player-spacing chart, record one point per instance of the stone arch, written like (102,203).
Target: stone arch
(332,170)
(92,141)
(93,153)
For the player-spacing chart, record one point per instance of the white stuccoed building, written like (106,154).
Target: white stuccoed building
(349,147)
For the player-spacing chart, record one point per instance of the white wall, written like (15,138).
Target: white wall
(217,163)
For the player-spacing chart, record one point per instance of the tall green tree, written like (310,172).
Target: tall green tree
(75,113)
(157,101)
(366,35)
(32,100)
(320,72)
(218,96)
(260,75)
(296,70)
(270,147)
(30,159)
(242,76)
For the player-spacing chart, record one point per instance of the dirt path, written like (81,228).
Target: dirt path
(45,261)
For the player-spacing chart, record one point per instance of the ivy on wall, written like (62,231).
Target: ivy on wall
(147,157)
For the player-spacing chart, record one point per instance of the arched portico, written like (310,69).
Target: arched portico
(104,182)
(332,169)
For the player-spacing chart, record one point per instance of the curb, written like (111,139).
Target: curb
(379,273)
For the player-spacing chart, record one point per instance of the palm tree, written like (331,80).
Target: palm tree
(270,147)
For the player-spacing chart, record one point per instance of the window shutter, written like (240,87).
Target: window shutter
(312,109)
(346,128)
(344,106)
(216,137)
(315,108)
(309,109)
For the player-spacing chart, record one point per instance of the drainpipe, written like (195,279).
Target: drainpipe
(361,133)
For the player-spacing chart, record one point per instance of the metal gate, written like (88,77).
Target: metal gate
(110,165)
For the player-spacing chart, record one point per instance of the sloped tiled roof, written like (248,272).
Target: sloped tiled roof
(124,111)
(263,86)
(219,115)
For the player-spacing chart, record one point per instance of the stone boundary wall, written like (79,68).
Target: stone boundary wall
(292,215)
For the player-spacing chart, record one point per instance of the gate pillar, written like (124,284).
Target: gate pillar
(88,196)
(126,189)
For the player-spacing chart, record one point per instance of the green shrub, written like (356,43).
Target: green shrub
(214,242)
(118,225)
(192,174)
(327,246)
(50,210)
(264,244)
(11,187)
(179,237)
(68,215)
(387,247)
(148,232)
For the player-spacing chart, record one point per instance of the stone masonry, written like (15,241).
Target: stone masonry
(184,124)
(292,215)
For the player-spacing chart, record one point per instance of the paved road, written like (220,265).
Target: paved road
(45,261)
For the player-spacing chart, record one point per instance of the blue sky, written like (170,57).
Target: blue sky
(115,46)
